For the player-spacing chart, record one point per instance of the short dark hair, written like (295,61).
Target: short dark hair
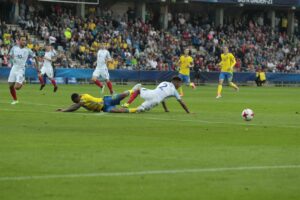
(74,96)
(176,78)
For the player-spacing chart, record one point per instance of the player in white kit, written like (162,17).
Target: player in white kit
(154,97)
(47,68)
(103,56)
(19,55)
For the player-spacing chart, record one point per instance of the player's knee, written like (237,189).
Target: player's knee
(18,87)
(94,79)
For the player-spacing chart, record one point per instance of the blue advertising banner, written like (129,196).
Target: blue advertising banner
(256,2)
(154,76)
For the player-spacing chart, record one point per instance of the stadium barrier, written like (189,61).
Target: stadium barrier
(73,75)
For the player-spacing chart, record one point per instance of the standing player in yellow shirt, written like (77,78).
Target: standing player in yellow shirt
(185,63)
(227,63)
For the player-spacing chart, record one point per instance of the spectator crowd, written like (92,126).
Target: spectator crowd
(138,45)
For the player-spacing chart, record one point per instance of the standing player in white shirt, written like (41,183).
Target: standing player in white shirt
(47,68)
(154,97)
(103,56)
(19,55)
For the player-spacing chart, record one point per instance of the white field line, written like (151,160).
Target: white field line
(131,116)
(34,104)
(150,172)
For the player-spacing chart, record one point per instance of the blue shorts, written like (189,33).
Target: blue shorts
(110,102)
(184,78)
(226,75)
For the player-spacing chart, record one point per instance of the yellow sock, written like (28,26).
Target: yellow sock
(220,89)
(180,90)
(233,85)
(130,92)
(191,84)
(132,110)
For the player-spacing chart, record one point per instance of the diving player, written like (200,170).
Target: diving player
(154,97)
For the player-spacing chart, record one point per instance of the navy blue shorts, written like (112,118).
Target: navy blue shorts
(110,102)
(226,75)
(185,78)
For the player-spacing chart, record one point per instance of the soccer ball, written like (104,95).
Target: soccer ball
(247,114)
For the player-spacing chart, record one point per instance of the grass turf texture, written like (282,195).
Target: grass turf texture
(37,141)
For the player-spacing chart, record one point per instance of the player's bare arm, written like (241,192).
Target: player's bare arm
(165,106)
(72,108)
(184,106)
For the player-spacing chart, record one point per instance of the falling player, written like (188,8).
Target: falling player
(227,63)
(103,56)
(154,97)
(105,104)
(47,68)
(19,55)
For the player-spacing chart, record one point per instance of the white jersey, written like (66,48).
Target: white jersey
(19,57)
(48,55)
(165,90)
(102,56)
(154,97)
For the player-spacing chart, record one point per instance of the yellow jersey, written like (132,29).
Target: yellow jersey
(185,62)
(91,103)
(261,75)
(228,62)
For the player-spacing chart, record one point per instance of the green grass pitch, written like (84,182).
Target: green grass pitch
(212,154)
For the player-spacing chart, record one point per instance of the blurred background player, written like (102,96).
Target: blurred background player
(19,55)
(47,68)
(185,63)
(227,63)
(154,97)
(260,77)
(103,56)
(105,104)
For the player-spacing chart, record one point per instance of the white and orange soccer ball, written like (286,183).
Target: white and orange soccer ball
(247,114)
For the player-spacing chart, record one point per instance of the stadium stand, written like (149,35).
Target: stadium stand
(141,45)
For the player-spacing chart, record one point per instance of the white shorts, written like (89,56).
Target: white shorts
(16,76)
(47,71)
(103,73)
(150,102)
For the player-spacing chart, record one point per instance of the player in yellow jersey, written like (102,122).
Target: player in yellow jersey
(227,63)
(185,63)
(105,104)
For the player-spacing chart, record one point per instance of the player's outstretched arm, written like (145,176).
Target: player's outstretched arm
(72,108)
(184,106)
(165,106)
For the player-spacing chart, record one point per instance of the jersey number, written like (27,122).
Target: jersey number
(163,86)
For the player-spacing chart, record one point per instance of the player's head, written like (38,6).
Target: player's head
(102,45)
(225,49)
(176,80)
(75,98)
(186,52)
(22,41)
